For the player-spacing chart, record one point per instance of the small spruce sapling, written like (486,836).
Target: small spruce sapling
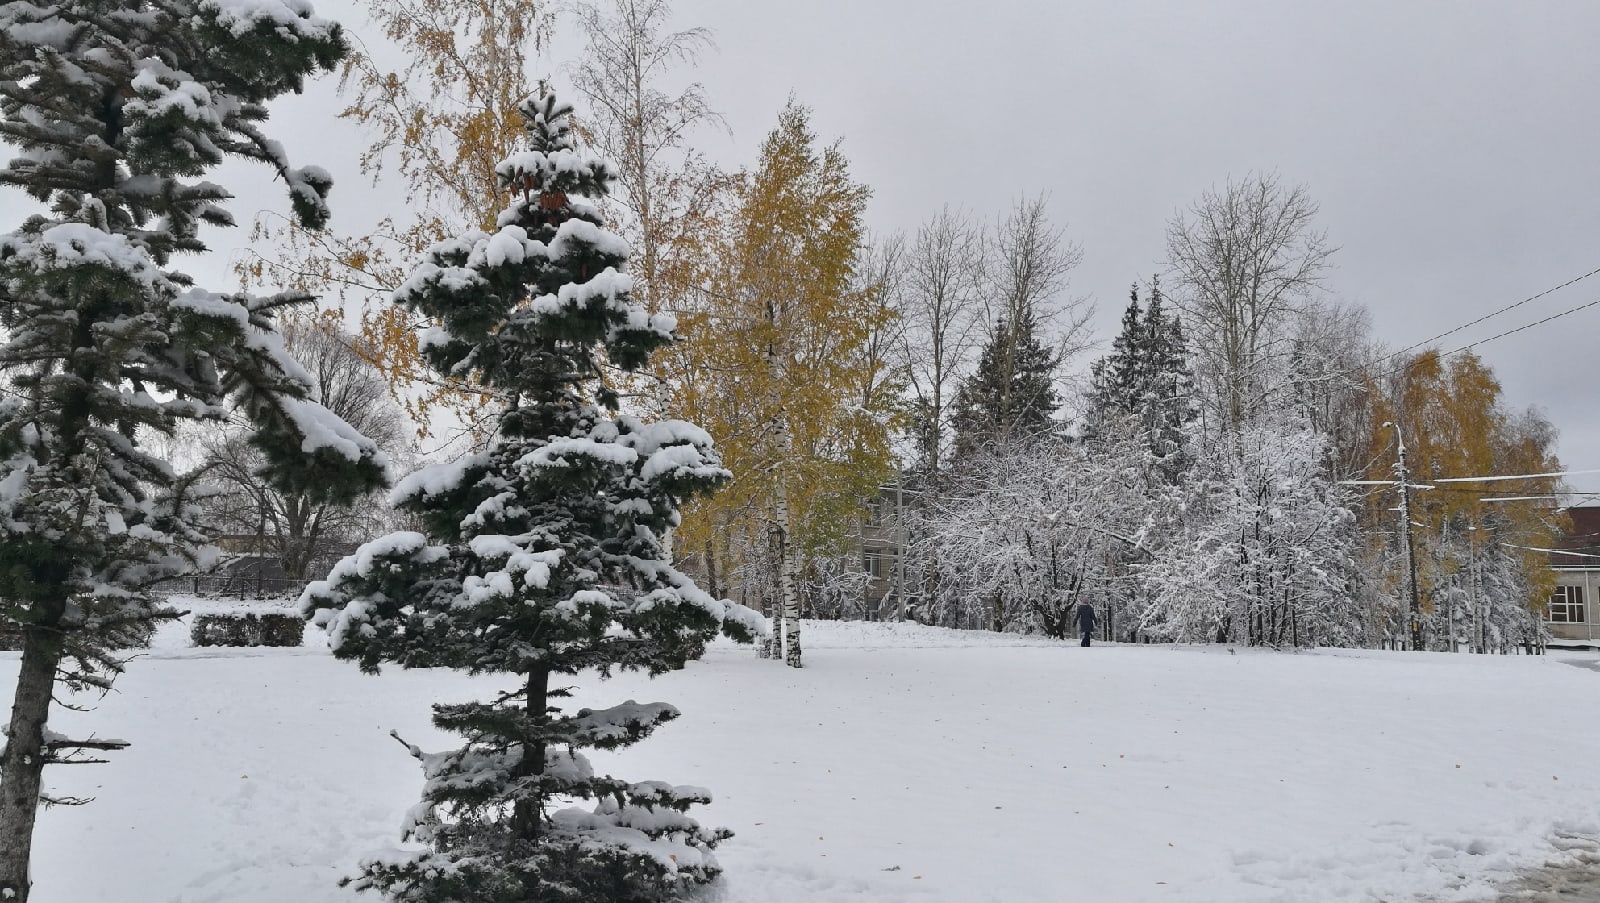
(543,558)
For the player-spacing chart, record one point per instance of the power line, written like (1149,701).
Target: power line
(1552,551)
(1509,307)
(1375,367)
(1520,476)
(1517,498)
(1502,335)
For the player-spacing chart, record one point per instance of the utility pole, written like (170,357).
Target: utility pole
(900,543)
(1413,620)
(1472,576)
(1450,597)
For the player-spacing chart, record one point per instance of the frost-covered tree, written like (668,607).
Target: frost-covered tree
(1256,545)
(1033,528)
(543,559)
(1332,364)
(941,307)
(1247,259)
(116,111)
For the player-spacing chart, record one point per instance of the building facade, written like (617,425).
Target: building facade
(1571,615)
(888,588)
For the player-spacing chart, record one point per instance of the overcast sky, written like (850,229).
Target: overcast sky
(1454,147)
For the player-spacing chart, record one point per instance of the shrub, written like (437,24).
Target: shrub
(247,629)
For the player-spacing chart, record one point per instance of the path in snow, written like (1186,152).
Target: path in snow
(1588,664)
(1575,877)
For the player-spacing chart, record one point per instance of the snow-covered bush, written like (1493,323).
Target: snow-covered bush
(1035,527)
(247,629)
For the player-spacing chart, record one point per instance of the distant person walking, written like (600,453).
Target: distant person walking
(1086,619)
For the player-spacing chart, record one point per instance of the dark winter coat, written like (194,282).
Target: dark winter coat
(1086,618)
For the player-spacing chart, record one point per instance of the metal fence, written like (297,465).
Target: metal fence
(236,586)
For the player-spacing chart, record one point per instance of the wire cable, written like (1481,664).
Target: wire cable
(1502,335)
(1489,316)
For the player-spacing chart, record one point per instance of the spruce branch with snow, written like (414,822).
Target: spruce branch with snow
(297,530)
(543,558)
(115,112)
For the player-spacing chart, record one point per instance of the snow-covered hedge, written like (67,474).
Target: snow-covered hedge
(247,629)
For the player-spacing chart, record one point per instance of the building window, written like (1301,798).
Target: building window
(1566,606)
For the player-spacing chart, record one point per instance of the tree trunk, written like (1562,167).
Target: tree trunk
(1294,626)
(527,815)
(22,763)
(711,569)
(295,540)
(789,597)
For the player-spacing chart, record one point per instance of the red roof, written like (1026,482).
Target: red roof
(1583,535)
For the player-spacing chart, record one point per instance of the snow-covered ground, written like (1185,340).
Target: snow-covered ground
(903,764)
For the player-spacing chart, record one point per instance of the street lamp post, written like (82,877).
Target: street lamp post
(1413,619)
(1472,578)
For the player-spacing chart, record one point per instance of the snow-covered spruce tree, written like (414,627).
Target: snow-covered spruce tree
(1145,385)
(1011,396)
(543,559)
(116,111)
(1115,379)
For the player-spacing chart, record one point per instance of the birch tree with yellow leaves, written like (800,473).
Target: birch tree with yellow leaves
(779,347)
(438,125)
(1481,580)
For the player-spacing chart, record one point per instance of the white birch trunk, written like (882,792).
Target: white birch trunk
(788,595)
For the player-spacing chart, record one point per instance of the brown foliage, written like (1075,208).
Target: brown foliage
(779,362)
(439,124)
(1450,414)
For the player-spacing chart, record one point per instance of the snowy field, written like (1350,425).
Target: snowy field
(903,764)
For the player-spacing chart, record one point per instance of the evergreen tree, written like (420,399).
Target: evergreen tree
(1145,383)
(1012,394)
(1167,406)
(543,558)
(1115,378)
(117,110)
